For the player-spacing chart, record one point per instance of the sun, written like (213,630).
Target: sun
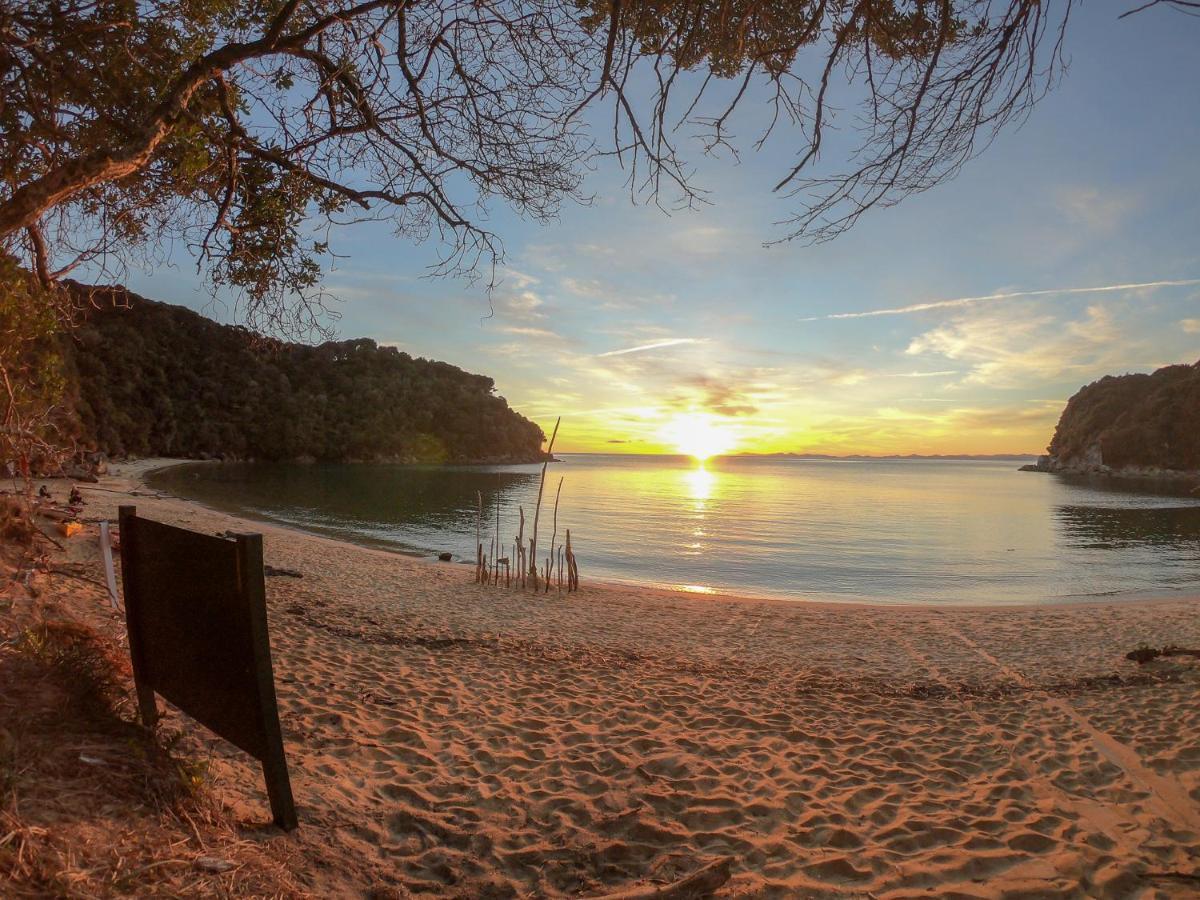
(698,434)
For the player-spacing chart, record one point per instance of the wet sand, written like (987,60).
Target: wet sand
(456,740)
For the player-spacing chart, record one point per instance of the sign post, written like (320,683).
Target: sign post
(195,607)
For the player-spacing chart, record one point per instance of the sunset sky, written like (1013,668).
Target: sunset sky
(958,322)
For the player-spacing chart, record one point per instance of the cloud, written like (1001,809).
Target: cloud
(656,345)
(722,396)
(519,280)
(1008,295)
(923,374)
(589,288)
(1007,351)
(1097,210)
(529,331)
(1190,326)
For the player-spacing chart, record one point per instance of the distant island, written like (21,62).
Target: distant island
(1000,457)
(1132,426)
(152,379)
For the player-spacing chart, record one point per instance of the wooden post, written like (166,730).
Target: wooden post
(274,763)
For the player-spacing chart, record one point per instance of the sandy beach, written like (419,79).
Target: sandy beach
(455,740)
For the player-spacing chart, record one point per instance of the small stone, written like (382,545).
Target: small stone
(213,864)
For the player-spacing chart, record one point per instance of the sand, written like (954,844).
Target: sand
(456,740)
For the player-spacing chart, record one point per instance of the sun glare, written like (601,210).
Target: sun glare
(699,435)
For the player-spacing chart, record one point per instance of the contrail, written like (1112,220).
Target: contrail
(670,342)
(967,301)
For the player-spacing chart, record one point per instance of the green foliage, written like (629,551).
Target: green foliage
(1136,420)
(161,380)
(245,128)
(32,375)
(727,36)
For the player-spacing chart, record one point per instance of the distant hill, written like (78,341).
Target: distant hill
(982,457)
(1131,425)
(155,379)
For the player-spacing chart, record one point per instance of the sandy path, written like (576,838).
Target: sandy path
(463,741)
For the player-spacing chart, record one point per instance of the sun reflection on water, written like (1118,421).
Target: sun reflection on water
(699,484)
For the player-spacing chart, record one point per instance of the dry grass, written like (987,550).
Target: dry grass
(93,805)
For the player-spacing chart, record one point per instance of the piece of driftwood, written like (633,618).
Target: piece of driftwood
(537,510)
(553,535)
(478,539)
(572,567)
(1143,655)
(520,554)
(701,883)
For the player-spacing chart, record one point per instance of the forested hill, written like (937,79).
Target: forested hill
(155,379)
(1135,424)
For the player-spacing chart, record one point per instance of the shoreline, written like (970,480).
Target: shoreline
(448,739)
(141,469)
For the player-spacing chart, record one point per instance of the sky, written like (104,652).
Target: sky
(957,322)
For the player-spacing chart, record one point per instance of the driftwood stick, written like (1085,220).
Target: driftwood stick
(478,539)
(570,557)
(521,544)
(537,510)
(701,883)
(554,533)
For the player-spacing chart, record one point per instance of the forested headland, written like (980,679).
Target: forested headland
(153,379)
(1131,425)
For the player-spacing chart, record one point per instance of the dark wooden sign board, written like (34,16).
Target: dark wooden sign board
(196,610)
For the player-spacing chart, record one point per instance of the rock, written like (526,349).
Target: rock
(445,557)
(1044,464)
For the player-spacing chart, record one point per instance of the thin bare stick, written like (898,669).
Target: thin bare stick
(537,511)
(521,545)
(554,530)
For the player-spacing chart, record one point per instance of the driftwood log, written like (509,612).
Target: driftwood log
(701,883)
(1143,655)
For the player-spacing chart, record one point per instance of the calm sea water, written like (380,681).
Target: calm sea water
(895,531)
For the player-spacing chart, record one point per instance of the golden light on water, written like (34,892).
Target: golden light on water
(699,482)
(699,435)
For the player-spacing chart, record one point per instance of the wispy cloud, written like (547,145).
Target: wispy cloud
(530,332)
(656,345)
(1033,349)
(1007,295)
(923,374)
(1190,326)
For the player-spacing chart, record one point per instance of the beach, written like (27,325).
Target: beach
(457,740)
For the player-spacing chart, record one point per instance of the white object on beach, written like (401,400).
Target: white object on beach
(110,576)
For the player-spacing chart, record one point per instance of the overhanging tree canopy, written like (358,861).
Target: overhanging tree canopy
(238,124)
